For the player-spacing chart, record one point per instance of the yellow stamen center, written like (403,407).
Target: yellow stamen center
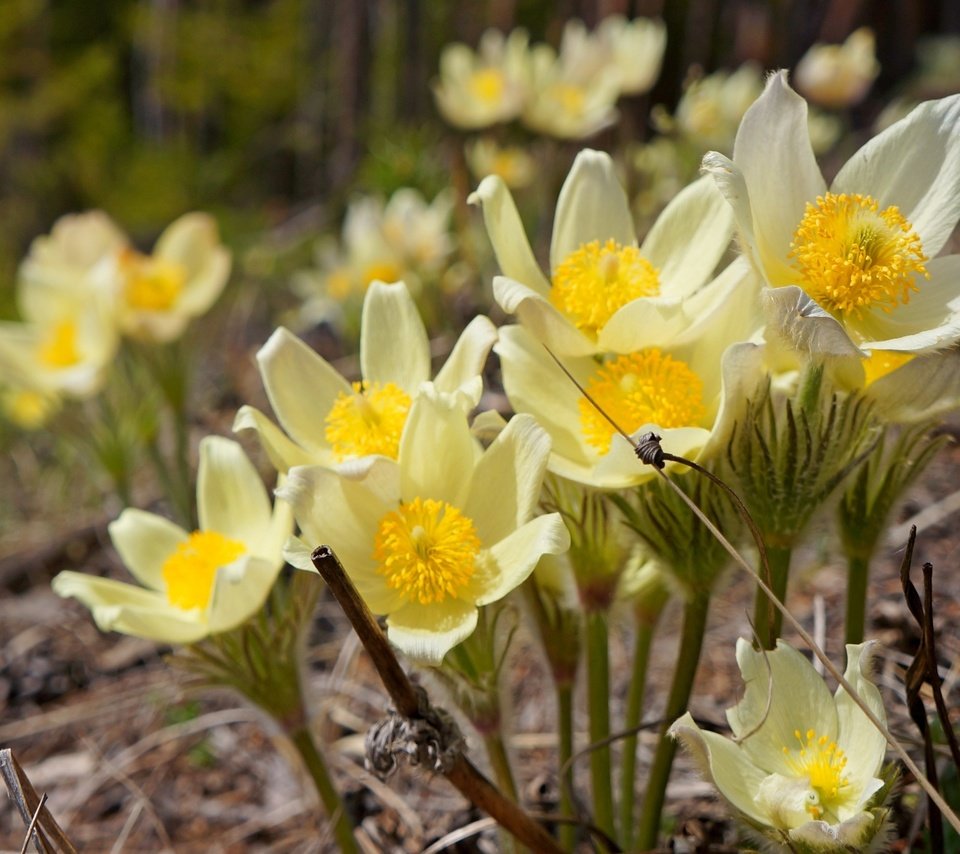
(27,408)
(190,571)
(596,280)
(426,550)
(643,387)
(369,421)
(822,763)
(58,349)
(569,98)
(382,271)
(153,284)
(852,256)
(487,85)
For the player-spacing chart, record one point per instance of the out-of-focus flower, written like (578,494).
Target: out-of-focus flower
(851,269)
(602,287)
(571,94)
(159,294)
(711,107)
(804,769)
(636,49)
(839,75)
(28,408)
(511,163)
(689,393)
(442,531)
(327,420)
(477,90)
(405,239)
(193,584)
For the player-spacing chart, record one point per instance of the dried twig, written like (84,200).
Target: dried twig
(48,837)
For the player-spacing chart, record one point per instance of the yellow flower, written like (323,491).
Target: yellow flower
(157,295)
(194,584)
(328,421)
(837,76)
(513,164)
(852,267)
(636,49)
(438,533)
(602,286)
(804,768)
(28,408)
(477,90)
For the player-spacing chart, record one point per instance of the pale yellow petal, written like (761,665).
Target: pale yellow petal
(144,541)
(426,633)
(393,340)
(284,454)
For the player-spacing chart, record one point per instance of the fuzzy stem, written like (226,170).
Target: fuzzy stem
(691,641)
(638,680)
(858,575)
(332,803)
(766,619)
(598,704)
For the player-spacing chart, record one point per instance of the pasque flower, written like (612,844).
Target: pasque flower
(803,768)
(325,419)
(441,531)
(602,285)
(839,75)
(196,583)
(853,267)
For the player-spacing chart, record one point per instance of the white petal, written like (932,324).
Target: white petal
(801,323)
(546,323)
(773,152)
(284,454)
(736,778)
(302,388)
(240,590)
(923,388)
(799,700)
(644,322)
(437,451)
(468,357)
(689,238)
(592,206)
(505,229)
(426,633)
(144,541)
(863,744)
(231,497)
(915,165)
(733,187)
(393,340)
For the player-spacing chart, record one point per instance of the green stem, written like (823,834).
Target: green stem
(317,767)
(567,831)
(767,620)
(500,763)
(691,641)
(858,575)
(638,681)
(598,705)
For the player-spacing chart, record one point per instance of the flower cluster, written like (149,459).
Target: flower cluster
(84,286)
(568,94)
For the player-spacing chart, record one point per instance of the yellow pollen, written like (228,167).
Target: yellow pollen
(381,271)
(823,764)
(487,85)
(594,281)
(882,362)
(426,550)
(190,571)
(369,421)
(643,387)
(152,284)
(852,256)
(58,349)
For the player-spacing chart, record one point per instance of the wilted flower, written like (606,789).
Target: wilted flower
(602,286)
(839,75)
(445,529)
(326,419)
(194,584)
(851,269)
(477,90)
(803,768)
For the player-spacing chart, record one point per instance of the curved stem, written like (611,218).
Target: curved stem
(598,705)
(319,773)
(638,681)
(500,763)
(766,619)
(691,642)
(858,575)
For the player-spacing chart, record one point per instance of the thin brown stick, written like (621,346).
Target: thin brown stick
(461,772)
